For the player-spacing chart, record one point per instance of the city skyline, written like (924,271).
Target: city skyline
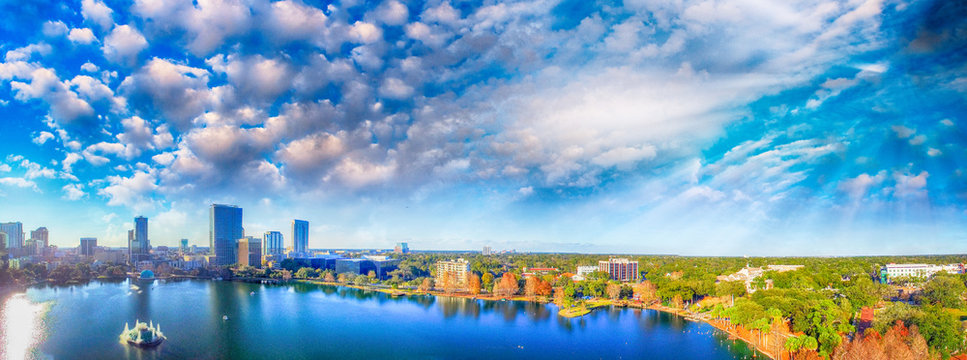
(693,128)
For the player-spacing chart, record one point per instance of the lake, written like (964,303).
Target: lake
(306,321)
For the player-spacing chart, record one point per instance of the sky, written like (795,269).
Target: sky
(712,127)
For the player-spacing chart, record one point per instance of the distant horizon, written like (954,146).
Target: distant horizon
(672,127)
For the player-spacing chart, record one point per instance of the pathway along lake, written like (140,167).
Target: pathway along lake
(303,321)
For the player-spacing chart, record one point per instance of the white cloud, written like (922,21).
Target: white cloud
(133,192)
(394,88)
(82,36)
(180,92)
(123,45)
(69,161)
(89,67)
(19,182)
(73,192)
(392,12)
(44,84)
(903,132)
(98,13)
(859,186)
(42,138)
(4,168)
(909,185)
(164,159)
(918,140)
(52,29)
(206,23)
(366,33)
(947,122)
(25,53)
(934,152)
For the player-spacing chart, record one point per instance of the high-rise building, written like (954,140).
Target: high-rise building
(273,244)
(300,236)
(401,248)
(141,249)
(3,240)
(460,268)
(225,228)
(184,245)
(88,245)
(620,269)
(250,251)
(42,237)
(15,234)
(131,247)
(487,251)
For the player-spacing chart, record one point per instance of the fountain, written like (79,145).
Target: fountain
(143,334)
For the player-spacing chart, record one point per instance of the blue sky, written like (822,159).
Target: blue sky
(645,126)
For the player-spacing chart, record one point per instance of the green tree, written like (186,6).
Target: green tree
(941,330)
(727,288)
(944,290)
(305,273)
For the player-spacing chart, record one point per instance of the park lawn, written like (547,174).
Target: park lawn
(576,311)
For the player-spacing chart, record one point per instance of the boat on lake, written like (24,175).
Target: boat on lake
(143,334)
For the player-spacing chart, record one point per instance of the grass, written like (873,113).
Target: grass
(576,311)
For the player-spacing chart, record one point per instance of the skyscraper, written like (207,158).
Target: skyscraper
(3,240)
(272,243)
(132,244)
(402,248)
(300,236)
(87,246)
(41,235)
(184,246)
(225,228)
(15,234)
(139,247)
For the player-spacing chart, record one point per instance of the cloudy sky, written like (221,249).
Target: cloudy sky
(720,127)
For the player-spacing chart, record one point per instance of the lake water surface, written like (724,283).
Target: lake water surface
(304,321)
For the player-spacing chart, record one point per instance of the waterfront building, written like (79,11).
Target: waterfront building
(460,268)
(402,248)
(110,256)
(620,269)
(894,271)
(273,247)
(88,245)
(300,236)
(15,234)
(250,251)
(224,230)
(138,246)
(355,266)
(325,262)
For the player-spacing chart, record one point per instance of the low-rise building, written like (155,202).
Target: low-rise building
(894,271)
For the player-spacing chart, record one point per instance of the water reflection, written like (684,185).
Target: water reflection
(22,328)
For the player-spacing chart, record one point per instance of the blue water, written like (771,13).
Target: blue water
(304,321)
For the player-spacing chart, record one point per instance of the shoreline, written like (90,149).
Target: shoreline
(599,303)
(717,324)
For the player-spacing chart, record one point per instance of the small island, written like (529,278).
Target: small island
(143,334)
